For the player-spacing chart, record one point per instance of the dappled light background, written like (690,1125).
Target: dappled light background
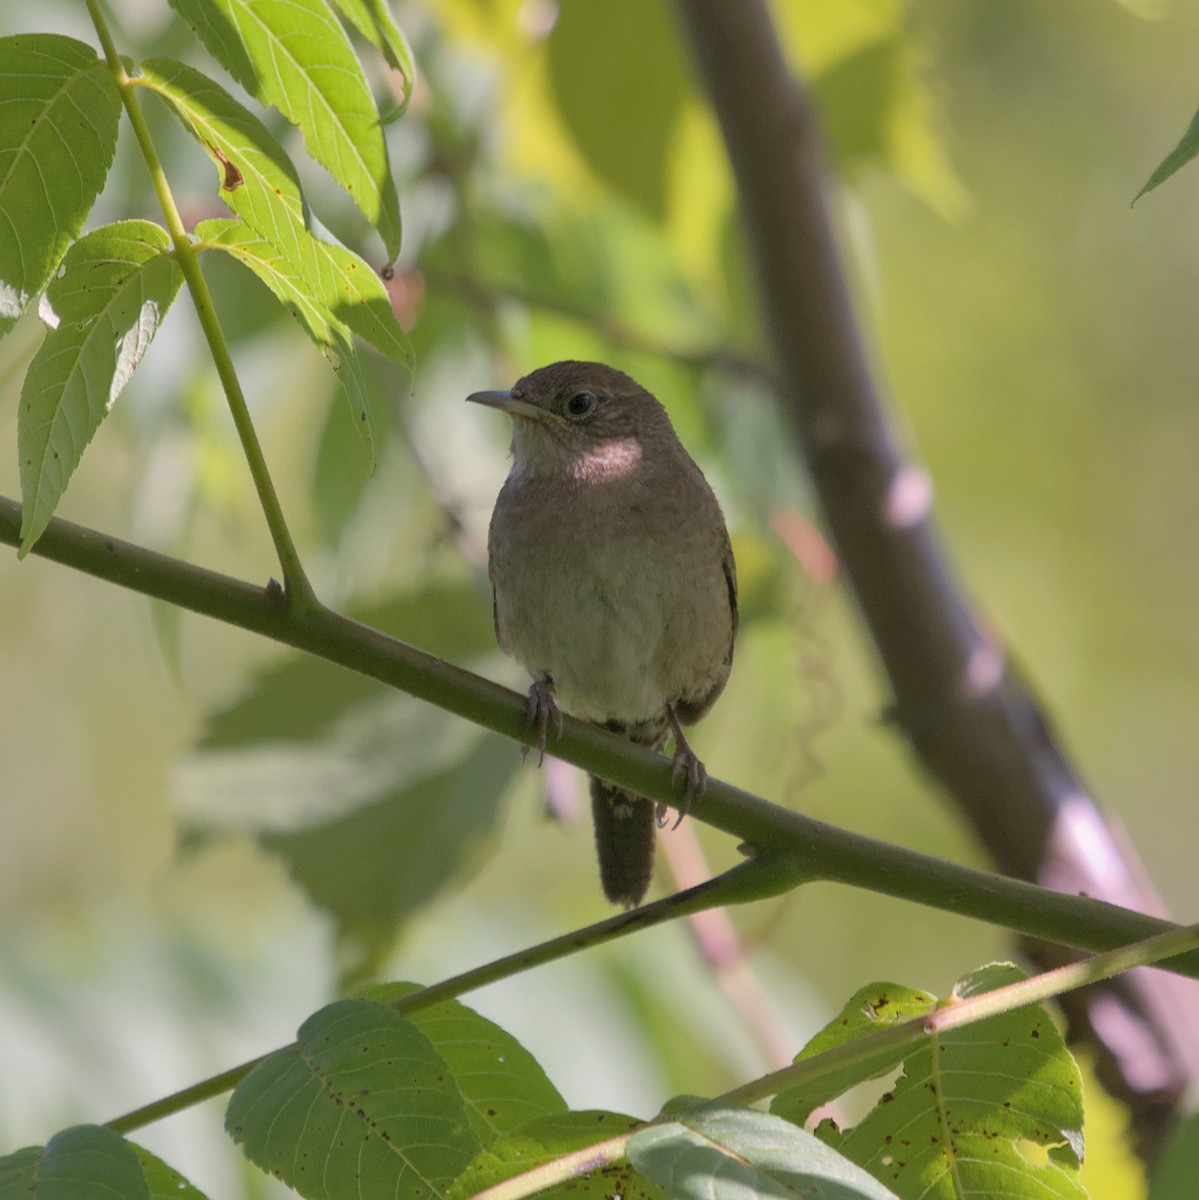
(204,838)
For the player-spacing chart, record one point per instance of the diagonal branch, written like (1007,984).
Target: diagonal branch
(971,719)
(807,850)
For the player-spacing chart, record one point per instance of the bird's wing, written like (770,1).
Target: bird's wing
(495,604)
(690,709)
(730,578)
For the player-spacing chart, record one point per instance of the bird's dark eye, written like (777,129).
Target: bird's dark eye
(580,404)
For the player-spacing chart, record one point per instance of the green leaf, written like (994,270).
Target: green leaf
(877,107)
(1177,1167)
(164,1181)
(360,1105)
(18,1171)
(260,184)
(288,283)
(955,1121)
(624,123)
(1178,157)
(547,1138)
(871,77)
(385,860)
(724,1153)
(258,180)
(329,290)
(339,481)
(111,294)
(87,1162)
(374,800)
(356,295)
(295,55)
(502,1083)
(58,134)
(874,1007)
(373,19)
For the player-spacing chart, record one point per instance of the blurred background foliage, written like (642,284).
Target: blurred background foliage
(205,837)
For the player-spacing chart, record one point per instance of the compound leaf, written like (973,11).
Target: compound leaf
(360,1105)
(295,55)
(108,300)
(58,134)
(725,1153)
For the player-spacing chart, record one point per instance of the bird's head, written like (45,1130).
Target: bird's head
(583,419)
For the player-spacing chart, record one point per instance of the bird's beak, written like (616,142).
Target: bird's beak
(507,402)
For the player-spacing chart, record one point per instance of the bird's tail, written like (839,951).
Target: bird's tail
(625,825)
(624,841)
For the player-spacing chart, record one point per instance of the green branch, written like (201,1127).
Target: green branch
(757,879)
(816,851)
(866,1049)
(299,591)
(960,1012)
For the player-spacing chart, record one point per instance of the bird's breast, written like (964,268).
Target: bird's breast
(603,589)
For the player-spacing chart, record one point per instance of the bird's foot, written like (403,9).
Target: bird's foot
(687,767)
(541,709)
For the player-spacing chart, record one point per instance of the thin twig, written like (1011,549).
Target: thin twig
(735,886)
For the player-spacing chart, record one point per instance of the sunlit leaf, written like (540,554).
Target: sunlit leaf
(289,284)
(329,289)
(295,55)
(356,295)
(360,1105)
(966,1102)
(373,19)
(86,1162)
(874,1007)
(547,1138)
(724,1153)
(111,294)
(58,134)
(623,122)
(257,179)
(1176,159)
(871,80)
(259,183)
(502,1084)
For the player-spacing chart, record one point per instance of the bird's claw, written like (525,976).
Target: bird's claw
(540,710)
(688,767)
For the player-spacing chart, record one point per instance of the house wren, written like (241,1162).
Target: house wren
(613,583)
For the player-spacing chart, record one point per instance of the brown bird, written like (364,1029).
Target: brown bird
(613,583)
